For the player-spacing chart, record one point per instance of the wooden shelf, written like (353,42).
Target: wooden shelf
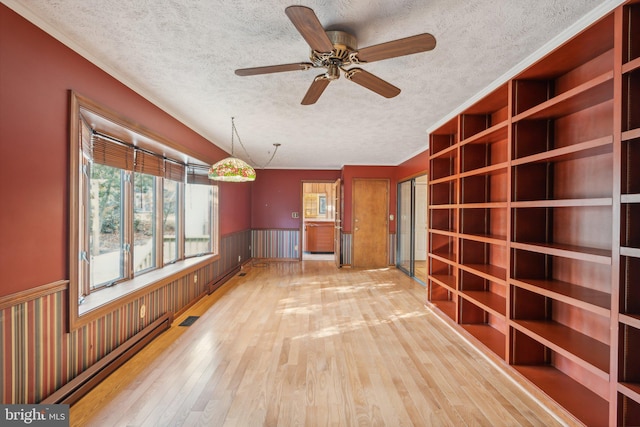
(445,256)
(486,170)
(446,307)
(444,138)
(488,301)
(564,180)
(632,252)
(443,152)
(631,390)
(580,348)
(628,411)
(483,205)
(584,404)
(487,271)
(446,281)
(440,232)
(495,133)
(632,320)
(629,370)
(630,66)
(446,179)
(485,238)
(443,166)
(588,94)
(443,220)
(601,256)
(588,299)
(493,339)
(443,192)
(443,246)
(631,134)
(592,147)
(449,206)
(630,198)
(630,97)
(563,203)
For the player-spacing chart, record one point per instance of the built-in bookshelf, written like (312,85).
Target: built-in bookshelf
(534,221)
(628,389)
(443,219)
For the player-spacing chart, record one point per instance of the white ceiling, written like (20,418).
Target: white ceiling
(181,55)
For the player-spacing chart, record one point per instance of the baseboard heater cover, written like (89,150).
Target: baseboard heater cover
(73,391)
(222,280)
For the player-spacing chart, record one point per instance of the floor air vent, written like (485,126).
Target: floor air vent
(189,321)
(242,274)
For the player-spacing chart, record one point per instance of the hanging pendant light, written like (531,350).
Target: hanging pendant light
(232,169)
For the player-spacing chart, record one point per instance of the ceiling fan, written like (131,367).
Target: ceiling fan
(336,50)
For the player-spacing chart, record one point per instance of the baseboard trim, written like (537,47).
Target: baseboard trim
(75,389)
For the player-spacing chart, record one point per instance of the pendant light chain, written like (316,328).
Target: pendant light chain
(235,131)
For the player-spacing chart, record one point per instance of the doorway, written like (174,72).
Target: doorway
(318,220)
(412,228)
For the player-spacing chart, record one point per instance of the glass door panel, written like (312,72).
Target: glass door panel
(420,228)
(404,226)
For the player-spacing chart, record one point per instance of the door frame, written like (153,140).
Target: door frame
(412,227)
(301,231)
(354,218)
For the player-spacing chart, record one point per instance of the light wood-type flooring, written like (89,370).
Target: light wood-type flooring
(307,344)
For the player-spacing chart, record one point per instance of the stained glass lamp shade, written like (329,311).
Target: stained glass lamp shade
(232,169)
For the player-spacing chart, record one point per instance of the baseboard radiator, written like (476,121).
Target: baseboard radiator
(224,279)
(71,392)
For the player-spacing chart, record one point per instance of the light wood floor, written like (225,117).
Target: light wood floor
(306,344)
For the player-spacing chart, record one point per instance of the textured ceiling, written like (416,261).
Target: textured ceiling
(181,55)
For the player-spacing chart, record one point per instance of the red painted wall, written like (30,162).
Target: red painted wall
(415,166)
(382,172)
(36,74)
(234,207)
(276,193)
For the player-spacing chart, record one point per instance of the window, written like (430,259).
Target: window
(135,210)
(170,221)
(145,211)
(106,236)
(198,212)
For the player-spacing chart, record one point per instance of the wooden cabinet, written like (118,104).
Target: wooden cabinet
(319,236)
(534,221)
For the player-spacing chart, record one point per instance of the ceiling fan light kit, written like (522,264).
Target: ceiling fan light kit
(336,50)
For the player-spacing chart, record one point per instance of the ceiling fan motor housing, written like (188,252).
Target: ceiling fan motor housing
(343,45)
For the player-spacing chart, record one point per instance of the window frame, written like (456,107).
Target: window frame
(88,116)
(179,232)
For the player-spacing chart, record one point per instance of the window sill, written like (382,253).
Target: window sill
(122,292)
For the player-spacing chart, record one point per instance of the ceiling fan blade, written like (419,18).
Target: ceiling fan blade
(315,90)
(308,25)
(371,82)
(302,66)
(401,47)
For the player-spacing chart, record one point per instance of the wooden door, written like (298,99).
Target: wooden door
(337,222)
(370,223)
